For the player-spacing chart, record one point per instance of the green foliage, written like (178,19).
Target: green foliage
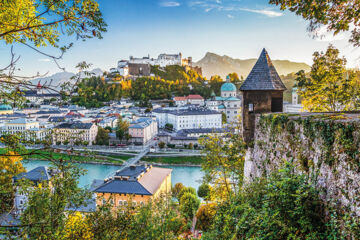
(43,22)
(161,145)
(177,189)
(184,190)
(102,137)
(93,92)
(223,163)
(215,83)
(44,215)
(283,206)
(204,191)
(330,87)
(189,204)
(169,126)
(122,128)
(223,118)
(205,216)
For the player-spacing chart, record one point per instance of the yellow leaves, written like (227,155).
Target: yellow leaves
(76,228)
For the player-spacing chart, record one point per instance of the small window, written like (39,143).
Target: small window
(251,107)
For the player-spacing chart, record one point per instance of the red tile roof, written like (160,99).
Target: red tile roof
(191,97)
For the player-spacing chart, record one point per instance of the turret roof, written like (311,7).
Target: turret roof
(263,76)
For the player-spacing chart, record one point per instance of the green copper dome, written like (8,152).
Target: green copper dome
(5,107)
(228,87)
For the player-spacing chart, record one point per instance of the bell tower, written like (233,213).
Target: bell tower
(262,93)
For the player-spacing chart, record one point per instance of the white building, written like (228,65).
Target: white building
(227,103)
(296,106)
(162,60)
(74,132)
(28,128)
(188,118)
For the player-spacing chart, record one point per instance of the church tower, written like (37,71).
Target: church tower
(262,93)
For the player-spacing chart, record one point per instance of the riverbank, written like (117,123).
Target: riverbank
(177,161)
(77,157)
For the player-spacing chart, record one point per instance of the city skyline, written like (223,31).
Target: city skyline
(239,29)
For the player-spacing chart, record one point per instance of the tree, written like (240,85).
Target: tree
(122,128)
(169,126)
(161,145)
(108,128)
(223,163)
(215,83)
(329,87)
(176,189)
(76,227)
(336,16)
(204,191)
(273,207)
(10,166)
(189,204)
(186,190)
(44,216)
(190,146)
(205,216)
(102,137)
(223,118)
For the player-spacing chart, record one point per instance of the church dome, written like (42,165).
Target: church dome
(228,87)
(5,107)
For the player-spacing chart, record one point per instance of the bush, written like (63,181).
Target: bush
(170,145)
(186,190)
(176,189)
(190,146)
(204,191)
(161,145)
(205,216)
(189,203)
(282,206)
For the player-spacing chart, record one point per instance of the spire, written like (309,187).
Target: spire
(39,86)
(263,76)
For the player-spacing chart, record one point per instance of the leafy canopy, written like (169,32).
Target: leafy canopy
(42,22)
(329,87)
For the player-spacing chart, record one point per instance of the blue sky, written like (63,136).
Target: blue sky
(237,28)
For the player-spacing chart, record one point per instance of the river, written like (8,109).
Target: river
(189,176)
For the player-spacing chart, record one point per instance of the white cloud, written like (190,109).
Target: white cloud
(268,13)
(170,4)
(208,9)
(44,60)
(230,16)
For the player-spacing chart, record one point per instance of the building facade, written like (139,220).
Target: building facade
(142,130)
(75,132)
(228,103)
(188,118)
(134,184)
(28,128)
(190,99)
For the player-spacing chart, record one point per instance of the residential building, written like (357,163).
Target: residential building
(191,99)
(188,118)
(138,184)
(228,103)
(143,130)
(35,176)
(75,132)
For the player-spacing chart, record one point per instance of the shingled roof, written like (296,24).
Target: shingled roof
(263,76)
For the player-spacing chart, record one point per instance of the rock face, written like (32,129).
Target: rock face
(213,64)
(325,147)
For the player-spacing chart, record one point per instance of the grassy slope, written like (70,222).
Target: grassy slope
(174,160)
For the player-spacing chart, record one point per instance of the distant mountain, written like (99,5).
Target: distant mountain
(213,64)
(59,78)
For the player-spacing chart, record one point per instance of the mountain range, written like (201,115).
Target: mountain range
(213,64)
(59,78)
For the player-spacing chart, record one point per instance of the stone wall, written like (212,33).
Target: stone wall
(323,146)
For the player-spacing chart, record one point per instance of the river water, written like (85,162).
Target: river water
(189,176)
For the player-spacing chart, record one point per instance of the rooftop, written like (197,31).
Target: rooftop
(37,174)
(75,125)
(138,180)
(263,76)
